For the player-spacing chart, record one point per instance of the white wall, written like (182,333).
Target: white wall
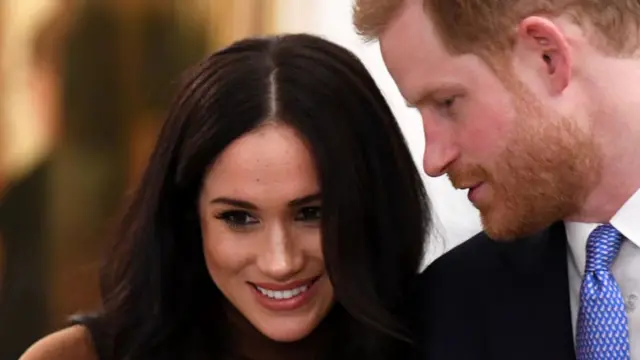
(456,219)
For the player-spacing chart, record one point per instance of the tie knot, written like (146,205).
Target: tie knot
(603,246)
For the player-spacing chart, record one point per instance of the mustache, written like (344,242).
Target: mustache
(466,176)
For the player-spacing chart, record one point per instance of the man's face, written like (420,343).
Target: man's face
(525,165)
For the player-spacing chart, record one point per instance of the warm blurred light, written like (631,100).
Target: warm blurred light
(25,135)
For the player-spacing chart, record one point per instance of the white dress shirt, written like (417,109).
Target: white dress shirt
(626,267)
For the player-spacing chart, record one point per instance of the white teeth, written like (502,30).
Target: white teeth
(283,295)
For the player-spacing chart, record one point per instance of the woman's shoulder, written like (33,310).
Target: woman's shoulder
(71,343)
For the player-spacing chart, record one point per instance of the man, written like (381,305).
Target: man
(531,105)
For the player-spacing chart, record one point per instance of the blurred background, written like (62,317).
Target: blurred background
(84,85)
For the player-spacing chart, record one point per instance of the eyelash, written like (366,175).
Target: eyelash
(231,217)
(316,216)
(447,103)
(240,219)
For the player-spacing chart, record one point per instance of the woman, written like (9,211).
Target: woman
(281,216)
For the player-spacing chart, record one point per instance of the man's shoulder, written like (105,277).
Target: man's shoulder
(450,296)
(477,254)
(481,261)
(469,295)
(459,272)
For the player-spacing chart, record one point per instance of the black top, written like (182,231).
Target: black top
(491,300)
(99,339)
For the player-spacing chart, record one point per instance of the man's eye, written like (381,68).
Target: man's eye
(237,218)
(446,103)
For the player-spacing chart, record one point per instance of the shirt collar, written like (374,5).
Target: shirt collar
(626,220)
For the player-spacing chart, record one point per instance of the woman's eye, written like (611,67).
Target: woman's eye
(311,213)
(237,218)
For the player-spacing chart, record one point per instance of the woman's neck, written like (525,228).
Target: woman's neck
(249,343)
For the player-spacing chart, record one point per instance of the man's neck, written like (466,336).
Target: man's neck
(605,202)
(620,171)
(611,86)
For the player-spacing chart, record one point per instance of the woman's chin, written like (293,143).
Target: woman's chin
(288,321)
(286,332)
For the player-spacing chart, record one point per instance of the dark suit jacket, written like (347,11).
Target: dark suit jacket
(491,300)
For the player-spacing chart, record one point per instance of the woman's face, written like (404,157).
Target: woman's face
(260,216)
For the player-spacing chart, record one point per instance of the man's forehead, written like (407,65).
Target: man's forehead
(411,20)
(411,48)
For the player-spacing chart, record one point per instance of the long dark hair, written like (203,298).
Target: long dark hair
(159,301)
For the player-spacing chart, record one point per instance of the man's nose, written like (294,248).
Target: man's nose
(437,158)
(439,150)
(282,258)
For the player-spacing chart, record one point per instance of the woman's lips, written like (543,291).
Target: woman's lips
(285,297)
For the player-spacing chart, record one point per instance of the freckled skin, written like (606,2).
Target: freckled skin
(268,167)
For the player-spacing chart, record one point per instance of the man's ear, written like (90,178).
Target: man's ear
(541,44)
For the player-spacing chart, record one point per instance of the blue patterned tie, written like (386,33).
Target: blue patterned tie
(602,322)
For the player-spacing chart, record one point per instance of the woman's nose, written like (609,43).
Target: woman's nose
(281,258)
